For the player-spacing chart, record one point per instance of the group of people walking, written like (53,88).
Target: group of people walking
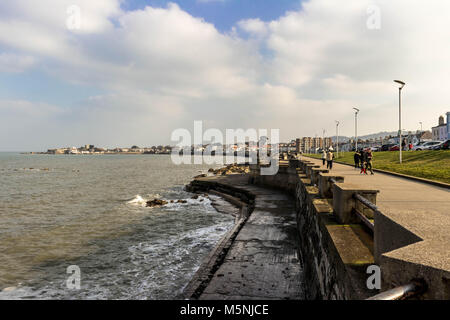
(363,160)
(328,157)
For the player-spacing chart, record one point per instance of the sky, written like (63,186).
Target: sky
(130,72)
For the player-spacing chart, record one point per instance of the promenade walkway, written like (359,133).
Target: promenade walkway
(419,207)
(263,261)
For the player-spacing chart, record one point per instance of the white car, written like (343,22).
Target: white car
(426,145)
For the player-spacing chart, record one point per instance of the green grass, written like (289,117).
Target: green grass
(433,165)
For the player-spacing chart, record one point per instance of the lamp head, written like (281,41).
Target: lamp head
(356,109)
(401,83)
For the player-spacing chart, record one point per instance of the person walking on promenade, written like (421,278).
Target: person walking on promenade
(330,158)
(369,161)
(363,160)
(324,157)
(356,159)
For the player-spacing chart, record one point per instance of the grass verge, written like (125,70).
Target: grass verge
(428,164)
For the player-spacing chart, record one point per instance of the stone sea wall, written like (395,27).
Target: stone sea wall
(328,273)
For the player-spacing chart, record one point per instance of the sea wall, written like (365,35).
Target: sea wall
(342,233)
(329,273)
(245,202)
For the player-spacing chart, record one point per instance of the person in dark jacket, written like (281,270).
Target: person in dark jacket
(369,161)
(363,161)
(356,159)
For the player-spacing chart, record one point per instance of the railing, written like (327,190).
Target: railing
(402,292)
(361,215)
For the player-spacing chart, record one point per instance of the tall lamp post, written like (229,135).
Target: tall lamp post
(337,138)
(356,128)
(402,84)
(421,130)
(323,139)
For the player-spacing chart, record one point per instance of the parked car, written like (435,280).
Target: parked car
(437,146)
(418,144)
(376,148)
(386,147)
(394,148)
(426,146)
(444,145)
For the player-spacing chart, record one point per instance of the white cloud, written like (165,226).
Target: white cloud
(161,68)
(14,63)
(254,27)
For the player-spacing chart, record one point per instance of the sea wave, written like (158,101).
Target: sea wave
(172,204)
(138,200)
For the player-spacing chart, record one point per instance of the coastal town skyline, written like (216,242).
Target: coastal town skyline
(292,65)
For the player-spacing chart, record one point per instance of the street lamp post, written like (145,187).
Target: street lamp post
(421,130)
(356,128)
(402,84)
(337,138)
(323,139)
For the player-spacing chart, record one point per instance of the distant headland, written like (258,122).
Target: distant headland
(91,149)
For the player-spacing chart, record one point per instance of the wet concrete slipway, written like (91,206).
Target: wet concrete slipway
(259,258)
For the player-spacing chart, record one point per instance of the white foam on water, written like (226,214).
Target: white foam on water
(138,200)
(15,293)
(172,204)
(173,257)
(200,201)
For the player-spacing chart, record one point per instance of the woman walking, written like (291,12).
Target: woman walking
(330,158)
(369,161)
(324,156)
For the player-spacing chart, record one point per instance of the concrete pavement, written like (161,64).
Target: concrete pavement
(420,208)
(263,261)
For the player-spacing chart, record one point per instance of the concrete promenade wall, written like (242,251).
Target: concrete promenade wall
(328,272)
(337,248)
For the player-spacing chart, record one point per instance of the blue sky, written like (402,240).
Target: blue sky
(225,13)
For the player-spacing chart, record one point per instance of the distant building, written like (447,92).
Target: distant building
(89,146)
(448,125)
(441,131)
(311,145)
(73,150)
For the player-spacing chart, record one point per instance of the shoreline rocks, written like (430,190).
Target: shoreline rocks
(230,169)
(156,203)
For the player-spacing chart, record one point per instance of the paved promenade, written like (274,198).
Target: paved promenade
(263,262)
(421,208)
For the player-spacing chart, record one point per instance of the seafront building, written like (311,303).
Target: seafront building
(441,132)
(312,145)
